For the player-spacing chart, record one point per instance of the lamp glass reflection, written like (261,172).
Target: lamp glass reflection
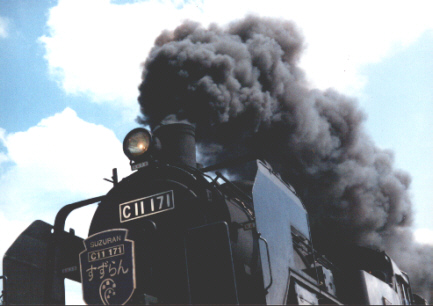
(138,143)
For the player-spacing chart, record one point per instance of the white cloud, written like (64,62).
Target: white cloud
(3,158)
(62,159)
(3,27)
(96,47)
(424,236)
(342,36)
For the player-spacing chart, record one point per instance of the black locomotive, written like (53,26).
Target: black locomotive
(171,234)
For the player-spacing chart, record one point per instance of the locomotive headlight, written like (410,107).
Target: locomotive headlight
(136,143)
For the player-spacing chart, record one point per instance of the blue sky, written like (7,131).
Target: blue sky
(69,72)
(399,104)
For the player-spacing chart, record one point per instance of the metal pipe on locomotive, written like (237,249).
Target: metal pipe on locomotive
(170,233)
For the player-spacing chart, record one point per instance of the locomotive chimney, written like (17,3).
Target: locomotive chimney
(177,143)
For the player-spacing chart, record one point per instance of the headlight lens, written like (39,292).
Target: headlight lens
(136,143)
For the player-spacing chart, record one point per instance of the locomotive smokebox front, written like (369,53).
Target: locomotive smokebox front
(161,208)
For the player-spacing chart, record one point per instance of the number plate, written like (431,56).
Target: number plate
(146,206)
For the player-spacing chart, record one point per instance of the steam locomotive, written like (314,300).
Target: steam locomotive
(172,234)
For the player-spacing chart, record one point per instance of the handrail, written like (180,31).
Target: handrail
(59,223)
(59,226)
(269,262)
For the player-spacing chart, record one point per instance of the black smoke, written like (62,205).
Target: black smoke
(242,87)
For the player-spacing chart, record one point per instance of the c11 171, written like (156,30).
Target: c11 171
(146,206)
(106,253)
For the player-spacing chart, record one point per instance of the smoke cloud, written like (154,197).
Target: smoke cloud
(242,87)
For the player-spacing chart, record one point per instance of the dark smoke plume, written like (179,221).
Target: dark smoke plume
(242,87)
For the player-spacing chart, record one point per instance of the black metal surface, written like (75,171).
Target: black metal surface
(177,144)
(210,267)
(25,265)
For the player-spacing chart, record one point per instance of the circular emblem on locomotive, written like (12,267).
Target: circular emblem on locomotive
(108,268)
(107,290)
